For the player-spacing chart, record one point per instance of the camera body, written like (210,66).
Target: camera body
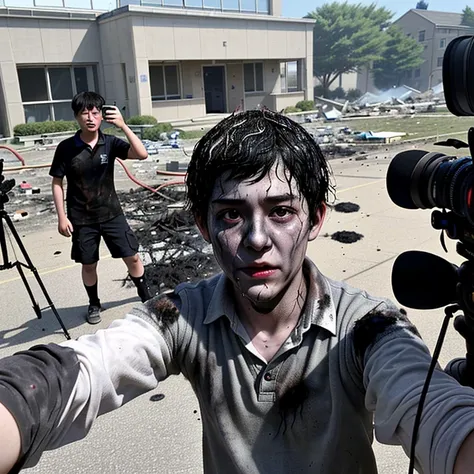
(6,185)
(419,179)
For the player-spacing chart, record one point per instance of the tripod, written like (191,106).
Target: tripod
(7,264)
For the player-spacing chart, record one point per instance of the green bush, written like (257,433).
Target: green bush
(305,105)
(113,131)
(353,94)
(40,128)
(338,93)
(292,109)
(192,134)
(153,133)
(142,120)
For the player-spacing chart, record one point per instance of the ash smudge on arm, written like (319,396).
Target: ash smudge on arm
(163,310)
(369,329)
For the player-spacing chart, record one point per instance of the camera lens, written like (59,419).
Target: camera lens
(417,179)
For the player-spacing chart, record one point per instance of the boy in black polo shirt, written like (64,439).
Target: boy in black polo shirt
(93,211)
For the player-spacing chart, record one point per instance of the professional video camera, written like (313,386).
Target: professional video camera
(421,180)
(418,179)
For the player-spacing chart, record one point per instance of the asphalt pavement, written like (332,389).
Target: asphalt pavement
(160,432)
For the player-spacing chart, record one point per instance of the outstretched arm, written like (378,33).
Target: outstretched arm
(9,441)
(54,393)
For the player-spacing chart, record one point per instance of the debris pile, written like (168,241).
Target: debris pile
(171,246)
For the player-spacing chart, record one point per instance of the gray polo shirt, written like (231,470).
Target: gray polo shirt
(311,409)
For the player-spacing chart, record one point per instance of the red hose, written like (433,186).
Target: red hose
(15,153)
(143,185)
(170,173)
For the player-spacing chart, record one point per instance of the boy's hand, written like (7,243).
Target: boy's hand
(65,227)
(114,117)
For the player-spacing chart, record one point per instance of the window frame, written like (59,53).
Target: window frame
(299,79)
(91,83)
(166,96)
(254,73)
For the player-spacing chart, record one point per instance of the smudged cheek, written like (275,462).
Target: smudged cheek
(225,245)
(291,240)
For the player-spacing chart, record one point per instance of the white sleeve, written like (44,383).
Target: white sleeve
(116,365)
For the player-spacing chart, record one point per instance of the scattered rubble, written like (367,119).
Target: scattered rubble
(171,246)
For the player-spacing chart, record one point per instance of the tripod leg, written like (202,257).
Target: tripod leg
(32,268)
(3,248)
(28,289)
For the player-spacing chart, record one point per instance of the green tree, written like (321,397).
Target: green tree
(347,37)
(402,54)
(468,17)
(422,5)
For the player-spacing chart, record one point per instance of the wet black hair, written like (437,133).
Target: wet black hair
(86,101)
(246,145)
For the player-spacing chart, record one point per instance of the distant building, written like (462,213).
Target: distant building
(167,58)
(434,30)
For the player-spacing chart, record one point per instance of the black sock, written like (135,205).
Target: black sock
(142,287)
(93,295)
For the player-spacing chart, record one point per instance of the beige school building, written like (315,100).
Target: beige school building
(174,60)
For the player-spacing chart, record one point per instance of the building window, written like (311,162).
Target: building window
(263,6)
(46,92)
(230,5)
(245,6)
(421,35)
(442,43)
(164,82)
(214,4)
(440,61)
(253,77)
(417,72)
(290,76)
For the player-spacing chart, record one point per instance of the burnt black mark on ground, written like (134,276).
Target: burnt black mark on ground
(346,237)
(157,397)
(346,207)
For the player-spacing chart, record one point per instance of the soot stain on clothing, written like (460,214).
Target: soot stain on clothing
(368,329)
(346,207)
(290,405)
(164,309)
(324,302)
(346,237)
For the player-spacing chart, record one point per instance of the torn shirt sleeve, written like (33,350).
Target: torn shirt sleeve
(56,392)
(396,362)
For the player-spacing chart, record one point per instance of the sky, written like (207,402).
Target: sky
(299,8)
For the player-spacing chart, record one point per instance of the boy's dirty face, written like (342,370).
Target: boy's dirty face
(89,120)
(260,232)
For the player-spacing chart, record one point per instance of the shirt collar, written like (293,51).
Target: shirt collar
(78,141)
(319,307)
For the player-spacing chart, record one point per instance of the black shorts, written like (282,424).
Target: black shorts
(118,237)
